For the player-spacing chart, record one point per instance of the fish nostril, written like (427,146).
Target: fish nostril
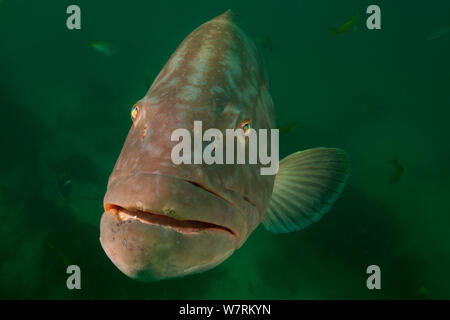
(144,132)
(169,212)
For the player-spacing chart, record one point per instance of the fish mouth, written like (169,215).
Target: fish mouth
(177,203)
(159,219)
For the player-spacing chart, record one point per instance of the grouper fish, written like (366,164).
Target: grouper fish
(163,220)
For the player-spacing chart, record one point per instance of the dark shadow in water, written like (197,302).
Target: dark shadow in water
(32,218)
(332,256)
(69,241)
(21,140)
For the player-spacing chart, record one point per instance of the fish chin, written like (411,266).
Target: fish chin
(147,249)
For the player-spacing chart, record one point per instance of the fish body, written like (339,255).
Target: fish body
(103,47)
(347,26)
(422,291)
(287,128)
(397,173)
(65,187)
(164,220)
(63,258)
(441,32)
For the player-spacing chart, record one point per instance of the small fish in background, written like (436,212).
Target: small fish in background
(264,42)
(78,168)
(423,291)
(62,257)
(347,26)
(287,128)
(74,169)
(64,184)
(65,188)
(103,47)
(439,33)
(397,173)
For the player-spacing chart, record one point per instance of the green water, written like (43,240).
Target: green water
(378,94)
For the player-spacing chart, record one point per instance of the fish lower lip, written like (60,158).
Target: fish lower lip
(182,226)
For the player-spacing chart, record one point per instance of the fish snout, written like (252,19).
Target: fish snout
(156,227)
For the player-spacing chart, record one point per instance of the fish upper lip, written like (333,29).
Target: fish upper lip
(182,226)
(208,189)
(236,223)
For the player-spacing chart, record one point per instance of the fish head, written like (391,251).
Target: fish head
(163,219)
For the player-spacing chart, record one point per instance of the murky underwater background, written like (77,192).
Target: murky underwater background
(380,95)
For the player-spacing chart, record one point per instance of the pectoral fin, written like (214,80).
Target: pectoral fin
(306,185)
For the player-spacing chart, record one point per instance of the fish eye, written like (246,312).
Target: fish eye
(245,125)
(134,112)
